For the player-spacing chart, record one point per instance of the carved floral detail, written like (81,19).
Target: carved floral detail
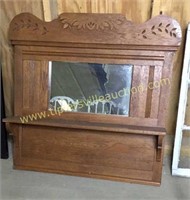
(159,29)
(28,24)
(89,23)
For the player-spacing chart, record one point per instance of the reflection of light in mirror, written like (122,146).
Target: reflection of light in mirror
(90,87)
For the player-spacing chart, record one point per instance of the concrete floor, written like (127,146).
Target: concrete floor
(28,185)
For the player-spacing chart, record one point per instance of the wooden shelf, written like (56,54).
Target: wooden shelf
(59,122)
(113,147)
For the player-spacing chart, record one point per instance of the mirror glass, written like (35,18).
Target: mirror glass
(90,87)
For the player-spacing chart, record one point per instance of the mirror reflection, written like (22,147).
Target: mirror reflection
(90,87)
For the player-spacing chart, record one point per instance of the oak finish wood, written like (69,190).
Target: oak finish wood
(178,9)
(146,9)
(101,146)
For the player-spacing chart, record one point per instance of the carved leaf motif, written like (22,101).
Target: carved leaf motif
(65,25)
(106,24)
(160,29)
(174,35)
(89,23)
(44,30)
(28,24)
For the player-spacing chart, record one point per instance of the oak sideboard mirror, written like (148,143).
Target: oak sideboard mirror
(91,94)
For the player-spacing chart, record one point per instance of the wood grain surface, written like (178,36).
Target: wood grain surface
(8,9)
(88,144)
(136,10)
(178,9)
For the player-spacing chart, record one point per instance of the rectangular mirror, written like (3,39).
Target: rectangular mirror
(90,87)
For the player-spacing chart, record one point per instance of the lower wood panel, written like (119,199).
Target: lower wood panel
(87,153)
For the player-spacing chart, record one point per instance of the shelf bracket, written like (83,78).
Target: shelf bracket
(159,148)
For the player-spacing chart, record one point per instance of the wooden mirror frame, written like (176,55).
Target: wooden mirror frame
(102,146)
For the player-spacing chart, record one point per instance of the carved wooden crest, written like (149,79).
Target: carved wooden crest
(97,29)
(73,21)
